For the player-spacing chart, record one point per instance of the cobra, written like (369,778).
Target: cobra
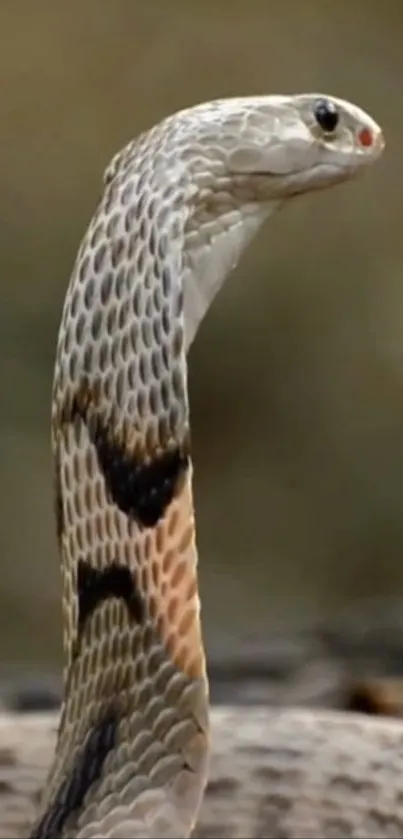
(179,206)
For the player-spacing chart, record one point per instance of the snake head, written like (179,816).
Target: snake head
(302,143)
(246,157)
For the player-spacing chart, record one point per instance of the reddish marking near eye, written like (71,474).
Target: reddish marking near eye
(365,137)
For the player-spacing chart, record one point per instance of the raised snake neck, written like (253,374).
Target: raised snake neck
(179,206)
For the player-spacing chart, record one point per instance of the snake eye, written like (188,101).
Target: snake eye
(326,115)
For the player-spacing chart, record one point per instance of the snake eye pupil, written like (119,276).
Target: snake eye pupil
(326,115)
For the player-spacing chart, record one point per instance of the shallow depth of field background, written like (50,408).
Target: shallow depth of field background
(296,378)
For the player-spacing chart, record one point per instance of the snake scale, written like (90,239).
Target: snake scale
(179,205)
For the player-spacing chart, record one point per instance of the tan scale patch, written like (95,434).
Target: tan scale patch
(168,560)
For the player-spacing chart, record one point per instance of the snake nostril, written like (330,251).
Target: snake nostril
(327,115)
(365,137)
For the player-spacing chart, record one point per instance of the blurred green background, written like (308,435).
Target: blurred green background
(296,378)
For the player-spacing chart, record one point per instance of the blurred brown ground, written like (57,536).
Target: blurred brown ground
(297,374)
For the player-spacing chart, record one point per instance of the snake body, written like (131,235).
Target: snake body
(179,205)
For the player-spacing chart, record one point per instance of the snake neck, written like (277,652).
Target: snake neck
(121,417)
(135,665)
